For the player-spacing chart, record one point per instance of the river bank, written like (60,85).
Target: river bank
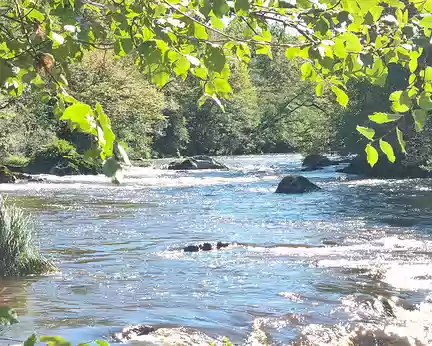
(310,268)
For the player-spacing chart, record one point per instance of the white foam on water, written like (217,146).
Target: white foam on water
(137,178)
(174,337)
(410,276)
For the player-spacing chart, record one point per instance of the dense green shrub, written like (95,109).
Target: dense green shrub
(18,254)
(61,158)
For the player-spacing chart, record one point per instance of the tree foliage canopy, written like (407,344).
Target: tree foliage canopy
(338,40)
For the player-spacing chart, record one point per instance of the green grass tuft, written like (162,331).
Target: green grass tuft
(18,254)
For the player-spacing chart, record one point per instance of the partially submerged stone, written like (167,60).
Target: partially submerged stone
(196,162)
(296,184)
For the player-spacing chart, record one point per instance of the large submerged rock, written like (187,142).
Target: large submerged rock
(197,162)
(296,184)
(316,161)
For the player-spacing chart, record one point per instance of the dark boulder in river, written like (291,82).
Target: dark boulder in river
(205,247)
(6,176)
(315,161)
(296,184)
(197,162)
(191,248)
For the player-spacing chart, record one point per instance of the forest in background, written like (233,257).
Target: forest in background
(272,110)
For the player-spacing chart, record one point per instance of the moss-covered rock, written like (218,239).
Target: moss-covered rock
(197,162)
(60,158)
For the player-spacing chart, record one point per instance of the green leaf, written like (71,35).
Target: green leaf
(220,7)
(215,59)
(200,32)
(102,343)
(428,74)
(341,96)
(200,72)
(366,131)
(352,43)
(424,101)
(182,66)
(81,115)
(54,341)
(382,118)
(400,107)
(306,70)
(319,89)
(339,48)
(413,64)
(148,34)
(420,116)
(376,12)
(222,85)
(292,52)
(372,155)
(217,23)
(112,169)
(92,154)
(35,14)
(405,99)
(242,5)
(161,78)
(160,10)
(395,96)
(381,41)
(107,142)
(401,141)
(31,341)
(123,154)
(387,149)
(265,50)
(127,45)
(426,22)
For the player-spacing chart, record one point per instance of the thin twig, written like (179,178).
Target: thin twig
(232,38)
(24,28)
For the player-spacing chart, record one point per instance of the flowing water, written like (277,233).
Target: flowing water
(348,265)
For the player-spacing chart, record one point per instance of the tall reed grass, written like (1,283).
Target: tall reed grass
(19,256)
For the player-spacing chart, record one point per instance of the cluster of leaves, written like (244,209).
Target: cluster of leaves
(338,41)
(56,341)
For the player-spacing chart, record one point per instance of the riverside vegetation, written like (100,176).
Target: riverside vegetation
(236,91)
(82,82)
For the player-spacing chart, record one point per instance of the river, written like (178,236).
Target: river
(350,263)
